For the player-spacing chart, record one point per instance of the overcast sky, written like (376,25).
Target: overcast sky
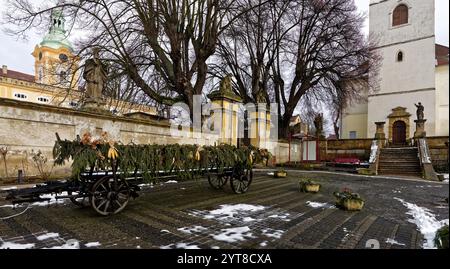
(17,54)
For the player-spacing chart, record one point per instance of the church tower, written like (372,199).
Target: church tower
(55,62)
(405,36)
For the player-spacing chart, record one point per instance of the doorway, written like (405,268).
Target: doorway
(399,133)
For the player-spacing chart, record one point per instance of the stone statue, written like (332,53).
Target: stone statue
(225,84)
(318,124)
(95,74)
(420,109)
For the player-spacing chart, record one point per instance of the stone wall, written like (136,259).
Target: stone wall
(27,127)
(345,148)
(438,147)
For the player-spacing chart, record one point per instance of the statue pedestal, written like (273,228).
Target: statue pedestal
(420,129)
(95,107)
(380,135)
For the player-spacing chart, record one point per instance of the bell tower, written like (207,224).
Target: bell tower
(55,62)
(404,33)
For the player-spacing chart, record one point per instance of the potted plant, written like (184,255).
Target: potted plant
(441,239)
(348,200)
(309,186)
(280,173)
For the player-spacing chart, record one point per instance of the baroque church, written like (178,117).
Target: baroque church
(56,76)
(412,69)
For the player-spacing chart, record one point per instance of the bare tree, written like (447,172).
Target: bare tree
(168,41)
(297,50)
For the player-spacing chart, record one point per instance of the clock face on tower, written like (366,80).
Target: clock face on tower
(63,57)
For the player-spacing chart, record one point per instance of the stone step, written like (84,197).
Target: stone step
(399,168)
(406,170)
(398,159)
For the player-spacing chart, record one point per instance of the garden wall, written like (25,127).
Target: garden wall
(438,147)
(27,127)
(345,148)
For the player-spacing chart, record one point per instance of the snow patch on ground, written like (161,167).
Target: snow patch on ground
(232,235)
(52,199)
(319,205)
(263,244)
(273,233)
(180,246)
(393,242)
(229,211)
(47,236)
(8,189)
(425,221)
(7,206)
(239,222)
(93,244)
(11,245)
(70,244)
(193,229)
(146,185)
(171,182)
(283,217)
(249,219)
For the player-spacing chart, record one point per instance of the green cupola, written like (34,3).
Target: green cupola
(56,38)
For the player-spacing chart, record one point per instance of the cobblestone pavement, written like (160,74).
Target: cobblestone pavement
(179,216)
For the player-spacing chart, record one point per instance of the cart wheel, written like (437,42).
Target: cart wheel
(241,182)
(81,202)
(218,182)
(107,200)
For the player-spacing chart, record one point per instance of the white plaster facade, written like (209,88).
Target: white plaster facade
(416,78)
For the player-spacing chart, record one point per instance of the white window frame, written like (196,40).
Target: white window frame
(43,97)
(19,93)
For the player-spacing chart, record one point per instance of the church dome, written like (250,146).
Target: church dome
(56,38)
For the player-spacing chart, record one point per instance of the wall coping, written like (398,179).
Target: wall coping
(69,111)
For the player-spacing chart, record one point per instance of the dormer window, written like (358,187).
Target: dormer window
(43,99)
(400,56)
(400,15)
(73,104)
(20,96)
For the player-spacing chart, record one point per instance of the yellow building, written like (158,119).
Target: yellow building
(56,77)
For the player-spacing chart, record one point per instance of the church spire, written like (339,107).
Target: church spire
(57,22)
(56,37)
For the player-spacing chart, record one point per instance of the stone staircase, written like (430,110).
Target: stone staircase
(402,161)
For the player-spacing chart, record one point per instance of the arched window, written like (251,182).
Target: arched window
(400,56)
(400,15)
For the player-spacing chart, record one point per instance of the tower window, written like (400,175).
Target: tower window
(62,76)
(400,15)
(400,56)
